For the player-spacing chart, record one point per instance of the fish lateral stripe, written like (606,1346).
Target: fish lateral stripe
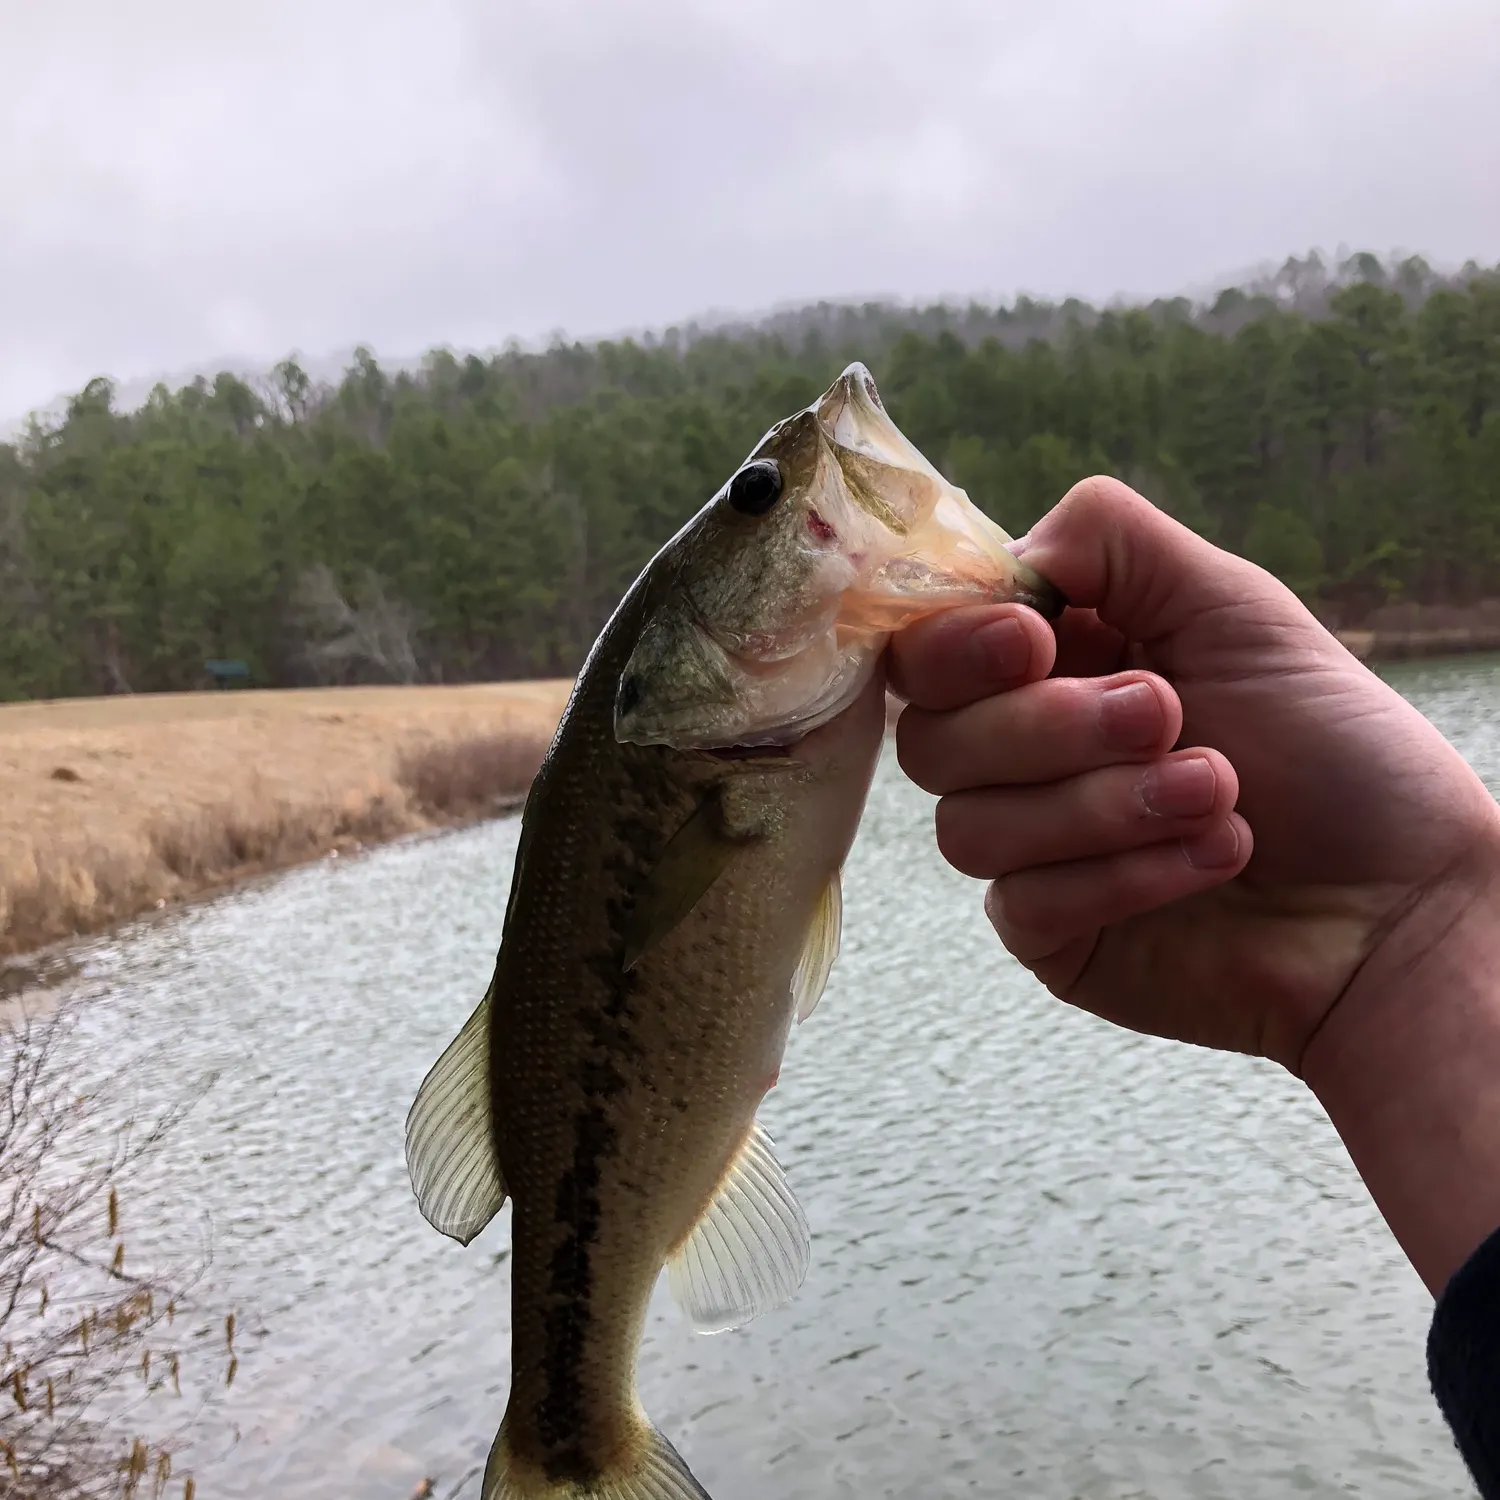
(559,1413)
(671,913)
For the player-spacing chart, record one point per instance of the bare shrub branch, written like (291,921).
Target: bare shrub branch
(88,1339)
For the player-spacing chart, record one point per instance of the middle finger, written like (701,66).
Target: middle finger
(1042,732)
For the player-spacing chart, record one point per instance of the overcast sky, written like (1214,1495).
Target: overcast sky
(186,182)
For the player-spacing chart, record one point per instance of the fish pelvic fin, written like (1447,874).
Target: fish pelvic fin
(750,1251)
(820,947)
(450,1140)
(652,1470)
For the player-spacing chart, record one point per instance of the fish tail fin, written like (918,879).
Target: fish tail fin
(654,1470)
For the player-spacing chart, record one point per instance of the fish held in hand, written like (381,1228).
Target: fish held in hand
(675,906)
(784,589)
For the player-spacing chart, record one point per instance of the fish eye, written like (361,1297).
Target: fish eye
(756,488)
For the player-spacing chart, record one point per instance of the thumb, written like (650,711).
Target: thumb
(1111,550)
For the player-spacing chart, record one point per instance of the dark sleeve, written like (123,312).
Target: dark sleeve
(1463,1362)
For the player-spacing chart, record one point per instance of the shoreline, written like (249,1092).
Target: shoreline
(113,808)
(241,786)
(1374,647)
(30,981)
(1410,632)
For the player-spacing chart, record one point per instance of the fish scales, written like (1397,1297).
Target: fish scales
(674,905)
(626,1093)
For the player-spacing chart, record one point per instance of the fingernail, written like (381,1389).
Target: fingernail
(1179,788)
(1017,545)
(1130,717)
(1214,850)
(1001,650)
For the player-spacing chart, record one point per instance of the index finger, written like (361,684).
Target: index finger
(957,656)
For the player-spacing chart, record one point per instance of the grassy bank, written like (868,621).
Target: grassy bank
(1401,632)
(110,807)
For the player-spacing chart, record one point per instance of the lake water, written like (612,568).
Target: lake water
(1050,1259)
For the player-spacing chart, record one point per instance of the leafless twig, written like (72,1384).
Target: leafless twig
(87,1338)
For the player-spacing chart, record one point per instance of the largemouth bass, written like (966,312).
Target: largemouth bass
(675,906)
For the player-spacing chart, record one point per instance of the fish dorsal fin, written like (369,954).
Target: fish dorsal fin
(750,1250)
(819,949)
(695,856)
(450,1143)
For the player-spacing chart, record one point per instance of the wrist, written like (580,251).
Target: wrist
(1407,1066)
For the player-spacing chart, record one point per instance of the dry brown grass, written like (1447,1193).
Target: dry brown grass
(110,807)
(470,778)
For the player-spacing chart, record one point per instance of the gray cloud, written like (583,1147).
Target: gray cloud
(182,184)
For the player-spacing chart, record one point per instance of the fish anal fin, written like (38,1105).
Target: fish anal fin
(750,1250)
(819,949)
(652,1470)
(695,856)
(450,1142)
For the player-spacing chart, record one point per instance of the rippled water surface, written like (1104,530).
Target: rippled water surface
(1050,1259)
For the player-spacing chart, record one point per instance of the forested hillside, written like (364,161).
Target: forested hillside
(480,517)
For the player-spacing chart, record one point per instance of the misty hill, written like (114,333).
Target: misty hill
(871,328)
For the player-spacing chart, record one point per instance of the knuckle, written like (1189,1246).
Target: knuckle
(1098,498)
(914,751)
(954,836)
(960,838)
(913,653)
(1056,705)
(1019,907)
(1110,802)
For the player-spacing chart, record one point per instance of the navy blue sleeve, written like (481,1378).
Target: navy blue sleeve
(1463,1362)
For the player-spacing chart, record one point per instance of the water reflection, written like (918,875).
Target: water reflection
(1050,1259)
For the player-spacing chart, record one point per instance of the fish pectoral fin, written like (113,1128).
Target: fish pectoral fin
(695,856)
(750,1250)
(819,949)
(649,1469)
(450,1141)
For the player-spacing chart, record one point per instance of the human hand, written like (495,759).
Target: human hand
(1223,893)
(1295,881)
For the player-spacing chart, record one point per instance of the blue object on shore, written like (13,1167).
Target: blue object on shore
(226,672)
